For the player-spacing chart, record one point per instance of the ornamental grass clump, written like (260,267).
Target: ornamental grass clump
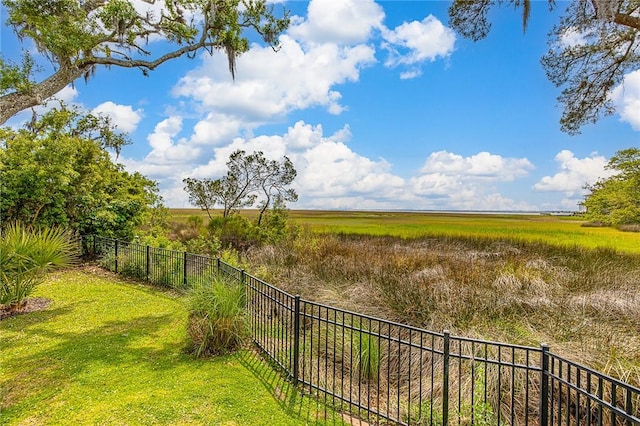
(217,317)
(26,255)
(366,351)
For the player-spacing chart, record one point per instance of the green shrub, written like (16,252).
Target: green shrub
(129,267)
(427,413)
(217,317)
(234,231)
(203,245)
(275,225)
(26,255)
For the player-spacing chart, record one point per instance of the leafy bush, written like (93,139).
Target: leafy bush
(217,318)
(26,255)
(234,231)
(275,225)
(240,233)
(203,245)
(129,267)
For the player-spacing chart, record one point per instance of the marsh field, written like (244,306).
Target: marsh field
(555,230)
(514,278)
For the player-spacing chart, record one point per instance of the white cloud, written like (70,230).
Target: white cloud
(415,42)
(451,181)
(626,98)
(574,173)
(331,174)
(122,116)
(483,165)
(332,169)
(215,129)
(467,199)
(271,84)
(166,152)
(271,146)
(329,48)
(340,22)
(303,135)
(164,131)
(408,75)
(68,95)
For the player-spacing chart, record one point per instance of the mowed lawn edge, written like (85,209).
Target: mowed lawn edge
(112,352)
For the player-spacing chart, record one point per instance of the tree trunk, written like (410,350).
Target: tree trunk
(13,103)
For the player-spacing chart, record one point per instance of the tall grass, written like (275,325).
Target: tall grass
(561,231)
(366,352)
(584,302)
(217,317)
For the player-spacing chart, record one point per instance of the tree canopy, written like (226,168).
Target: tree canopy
(55,171)
(593,46)
(616,200)
(249,177)
(77,36)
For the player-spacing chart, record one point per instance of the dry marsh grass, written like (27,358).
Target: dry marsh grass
(585,303)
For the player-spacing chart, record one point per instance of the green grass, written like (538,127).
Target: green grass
(563,231)
(557,230)
(112,352)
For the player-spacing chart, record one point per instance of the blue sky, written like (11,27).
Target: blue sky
(379,105)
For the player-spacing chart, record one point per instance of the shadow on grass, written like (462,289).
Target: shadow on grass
(308,409)
(112,343)
(36,317)
(40,361)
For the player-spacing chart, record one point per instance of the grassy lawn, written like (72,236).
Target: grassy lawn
(112,352)
(557,230)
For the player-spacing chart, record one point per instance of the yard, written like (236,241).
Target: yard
(112,352)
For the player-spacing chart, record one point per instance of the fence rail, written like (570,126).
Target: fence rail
(389,373)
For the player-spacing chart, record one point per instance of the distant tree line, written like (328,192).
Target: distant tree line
(616,200)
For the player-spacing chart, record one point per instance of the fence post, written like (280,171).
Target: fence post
(116,256)
(544,385)
(146,270)
(242,276)
(94,255)
(218,267)
(296,338)
(184,269)
(445,378)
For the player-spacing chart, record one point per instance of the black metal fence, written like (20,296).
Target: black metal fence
(388,373)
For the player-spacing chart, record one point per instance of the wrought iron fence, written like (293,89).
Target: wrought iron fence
(389,373)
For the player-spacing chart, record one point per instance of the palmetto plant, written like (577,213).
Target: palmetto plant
(26,255)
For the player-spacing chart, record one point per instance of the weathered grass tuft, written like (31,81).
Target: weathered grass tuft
(633,227)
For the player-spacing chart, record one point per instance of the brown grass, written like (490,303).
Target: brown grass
(584,303)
